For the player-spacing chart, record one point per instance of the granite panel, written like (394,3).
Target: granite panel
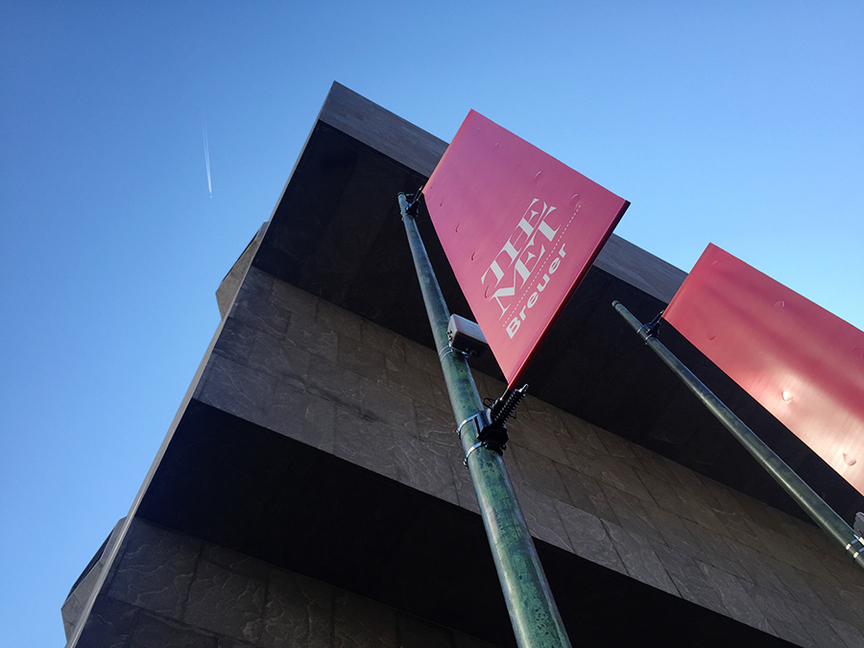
(333,318)
(302,416)
(226,602)
(301,304)
(367,443)
(360,358)
(110,624)
(816,625)
(362,623)
(299,612)
(436,426)
(542,517)
(690,580)
(599,502)
(588,537)
(274,356)
(631,513)
(771,604)
(425,466)
(713,549)
(538,432)
(639,558)
(151,631)
(538,472)
(237,389)
(156,569)
(414,383)
(254,307)
(733,593)
(424,358)
(760,568)
(236,340)
(661,490)
(850,635)
(580,494)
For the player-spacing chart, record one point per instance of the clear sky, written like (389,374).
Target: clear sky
(737,123)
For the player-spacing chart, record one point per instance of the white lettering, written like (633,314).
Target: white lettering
(513,326)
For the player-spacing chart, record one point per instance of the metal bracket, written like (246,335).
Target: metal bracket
(650,329)
(480,420)
(490,423)
(858,539)
(479,444)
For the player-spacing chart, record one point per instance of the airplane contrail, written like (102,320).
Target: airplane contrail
(207,161)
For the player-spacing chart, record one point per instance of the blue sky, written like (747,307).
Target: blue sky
(737,123)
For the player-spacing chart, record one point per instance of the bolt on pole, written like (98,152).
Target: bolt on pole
(533,613)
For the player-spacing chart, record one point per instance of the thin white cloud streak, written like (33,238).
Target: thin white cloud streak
(207,160)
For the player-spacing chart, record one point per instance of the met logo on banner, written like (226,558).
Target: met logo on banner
(520,230)
(516,269)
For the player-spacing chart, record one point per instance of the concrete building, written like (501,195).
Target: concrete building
(311,492)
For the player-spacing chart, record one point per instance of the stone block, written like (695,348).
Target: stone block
(539,434)
(110,624)
(236,340)
(302,305)
(538,472)
(689,579)
(817,626)
(367,443)
(423,358)
(299,612)
(278,358)
(850,635)
(588,537)
(542,517)
(254,307)
(302,416)
(236,389)
(735,598)
(772,606)
(631,513)
(155,569)
(360,358)
(331,317)
(713,549)
(425,466)
(151,631)
(226,602)
(639,558)
(361,623)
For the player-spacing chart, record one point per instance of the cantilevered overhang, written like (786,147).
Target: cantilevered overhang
(336,233)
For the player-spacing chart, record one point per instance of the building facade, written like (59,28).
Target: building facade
(311,491)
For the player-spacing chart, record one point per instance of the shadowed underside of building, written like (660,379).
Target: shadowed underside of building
(311,492)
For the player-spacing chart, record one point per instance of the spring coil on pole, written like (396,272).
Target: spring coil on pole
(504,407)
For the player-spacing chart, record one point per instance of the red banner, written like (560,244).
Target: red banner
(520,230)
(800,362)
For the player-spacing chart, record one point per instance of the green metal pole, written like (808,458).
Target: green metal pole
(822,514)
(533,613)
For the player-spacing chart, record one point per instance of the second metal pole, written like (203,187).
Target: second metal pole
(818,510)
(533,613)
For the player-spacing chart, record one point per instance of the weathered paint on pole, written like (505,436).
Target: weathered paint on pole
(533,613)
(822,514)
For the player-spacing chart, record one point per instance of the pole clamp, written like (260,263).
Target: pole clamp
(479,444)
(860,542)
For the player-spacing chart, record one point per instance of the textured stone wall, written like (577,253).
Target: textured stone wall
(169,589)
(304,368)
(324,376)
